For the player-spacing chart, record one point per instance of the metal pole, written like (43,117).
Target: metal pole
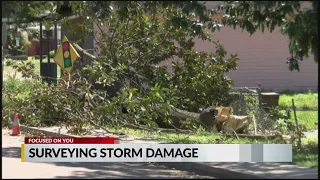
(41,42)
(260,98)
(55,44)
(48,46)
(2,60)
(62,34)
(4,38)
(55,37)
(297,124)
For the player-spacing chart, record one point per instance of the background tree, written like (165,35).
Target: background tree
(27,11)
(300,24)
(15,49)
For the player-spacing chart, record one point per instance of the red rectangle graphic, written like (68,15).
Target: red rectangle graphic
(63,140)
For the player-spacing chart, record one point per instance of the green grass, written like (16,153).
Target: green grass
(198,138)
(36,62)
(307,118)
(307,155)
(302,100)
(30,58)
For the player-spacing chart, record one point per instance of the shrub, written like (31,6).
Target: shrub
(34,35)
(18,50)
(16,94)
(52,54)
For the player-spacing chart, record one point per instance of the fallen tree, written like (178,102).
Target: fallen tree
(208,118)
(135,90)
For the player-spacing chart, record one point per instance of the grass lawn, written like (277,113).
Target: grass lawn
(36,62)
(306,156)
(302,100)
(198,138)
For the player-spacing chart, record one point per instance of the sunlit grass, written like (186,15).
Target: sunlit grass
(36,62)
(302,100)
(306,156)
(197,138)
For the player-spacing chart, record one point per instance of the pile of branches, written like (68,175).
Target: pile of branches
(126,86)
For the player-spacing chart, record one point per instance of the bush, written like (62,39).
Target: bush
(276,114)
(41,105)
(34,35)
(52,54)
(37,103)
(17,50)
(283,123)
(16,94)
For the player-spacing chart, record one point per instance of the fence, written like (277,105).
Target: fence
(248,101)
(304,118)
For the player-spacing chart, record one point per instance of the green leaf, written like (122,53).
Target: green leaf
(130,96)
(158,95)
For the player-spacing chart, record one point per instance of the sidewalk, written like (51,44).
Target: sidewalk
(220,170)
(269,170)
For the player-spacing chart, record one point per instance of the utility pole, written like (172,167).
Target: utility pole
(4,40)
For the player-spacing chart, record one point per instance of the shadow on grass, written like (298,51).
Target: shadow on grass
(307,155)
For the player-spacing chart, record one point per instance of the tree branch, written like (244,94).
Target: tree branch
(83,51)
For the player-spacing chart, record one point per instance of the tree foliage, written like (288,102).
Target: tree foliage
(28,11)
(15,49)
(135,39)
(298,23)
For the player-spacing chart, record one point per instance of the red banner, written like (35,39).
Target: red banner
(64,140)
